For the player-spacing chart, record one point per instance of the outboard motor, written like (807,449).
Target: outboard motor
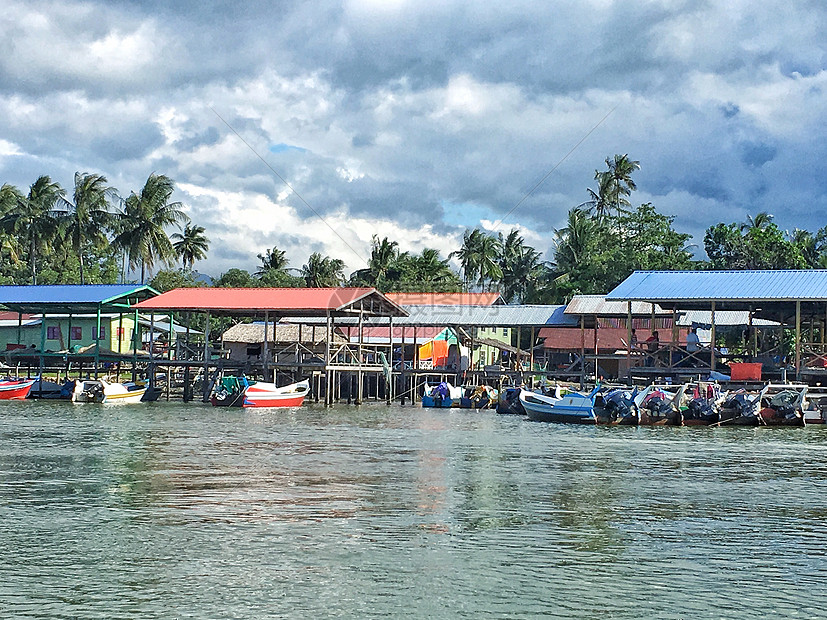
(784,404)
(619,405)
(701,409)
(739,406)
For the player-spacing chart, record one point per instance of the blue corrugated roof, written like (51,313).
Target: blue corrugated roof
(69,297)
(747,285)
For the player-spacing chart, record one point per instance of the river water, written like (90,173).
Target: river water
(171,510)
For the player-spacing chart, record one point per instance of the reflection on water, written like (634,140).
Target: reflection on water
(165,510)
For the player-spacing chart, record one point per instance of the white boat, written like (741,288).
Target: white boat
(261,394)
(572,407)
(103,391)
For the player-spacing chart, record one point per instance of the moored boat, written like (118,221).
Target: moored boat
(617,407)
(230,392)
(572,407)
(15,389)
(509,401)
(441,396)
(103,391)
(262,394)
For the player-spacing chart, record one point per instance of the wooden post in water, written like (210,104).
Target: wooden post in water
(205,387)
(582,351)
(629,341)
(712,343)
(403,374)
(797,339)
(266,348)
(328,379)
(360,351)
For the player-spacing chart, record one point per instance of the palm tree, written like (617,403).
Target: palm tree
(621,169)
(759,222)
(32,217)
(272,260)
(143,222)
(426,272)
(89,217)
(575,241)
(192,245)
(468,255)
(489,261)
(323,272)
(10,198)
(602,199)
(518,262)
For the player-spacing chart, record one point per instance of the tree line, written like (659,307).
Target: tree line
(89,235)
(47,237)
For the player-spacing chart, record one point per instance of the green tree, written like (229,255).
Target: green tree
(323,272)
(426,272)
(143,224)
(32,218)
(518,263)
(272,260)
(620,170)
(169,279)
(191,245)
(236,278)
(89,219)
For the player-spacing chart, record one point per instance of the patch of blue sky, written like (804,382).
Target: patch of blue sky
(281,147)
(466,214)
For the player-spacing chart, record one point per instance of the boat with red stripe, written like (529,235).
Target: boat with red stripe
(261,394)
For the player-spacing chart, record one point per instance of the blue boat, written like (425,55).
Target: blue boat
(438,396)
(572,408)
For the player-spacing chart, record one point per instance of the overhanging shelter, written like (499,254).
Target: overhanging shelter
(277,303)
(786,296)
(74,299)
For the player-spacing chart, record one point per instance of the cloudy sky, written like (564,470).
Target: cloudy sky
(415,120)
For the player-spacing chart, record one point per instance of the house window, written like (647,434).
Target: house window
(254,351)
(102,334)
(76,333)
(120,331)
(505,331)
(53,332)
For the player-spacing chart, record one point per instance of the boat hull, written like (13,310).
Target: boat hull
(268,395)
(103,392)
(570,409)
(15,390)
(437,403)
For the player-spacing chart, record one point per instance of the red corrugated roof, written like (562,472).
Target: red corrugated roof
(12,316)
(608,338)
(445,299)
(284,301)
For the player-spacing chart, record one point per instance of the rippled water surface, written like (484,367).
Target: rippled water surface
(171,510)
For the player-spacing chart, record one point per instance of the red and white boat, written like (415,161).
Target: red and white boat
(15,389)
(269,395)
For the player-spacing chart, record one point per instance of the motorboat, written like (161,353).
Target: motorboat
(230,392)
(262,394)
(568,407)
(15,389)
(509,401)
(659,407)
(104,391)
(441,396)
(617,407)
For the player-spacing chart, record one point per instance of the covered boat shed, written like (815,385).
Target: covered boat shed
(277,303)
(75,299)
(789,297)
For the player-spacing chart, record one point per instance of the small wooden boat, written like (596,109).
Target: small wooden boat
(262,394)
(49,390)
(478,397)
(573,407)
(103,391)
(15,389)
